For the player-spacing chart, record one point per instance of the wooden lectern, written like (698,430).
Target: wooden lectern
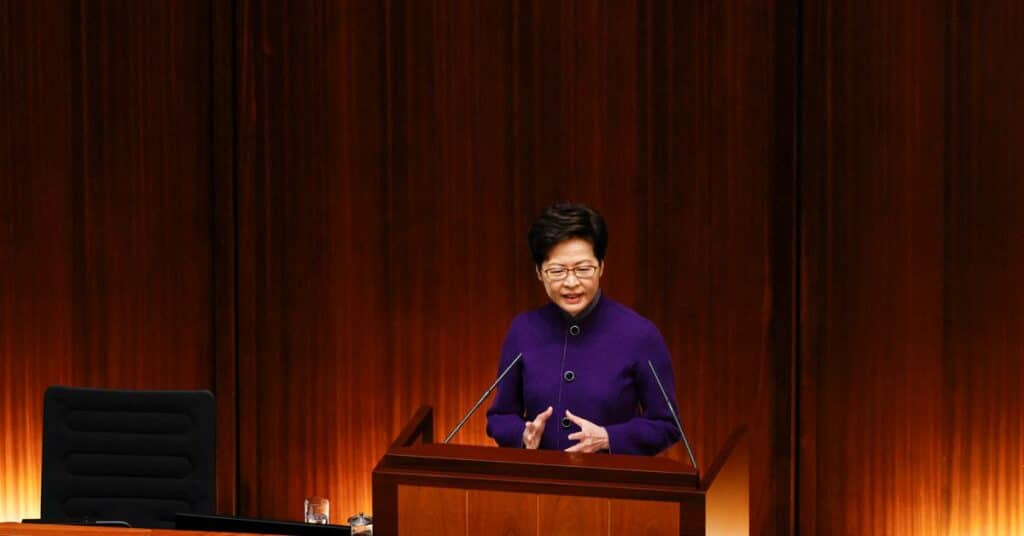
(422,488)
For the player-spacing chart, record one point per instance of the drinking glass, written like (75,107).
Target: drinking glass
(317,510)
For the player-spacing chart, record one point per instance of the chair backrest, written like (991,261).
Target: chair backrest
(135,456)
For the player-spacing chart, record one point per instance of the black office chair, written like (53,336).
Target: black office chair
(134,456)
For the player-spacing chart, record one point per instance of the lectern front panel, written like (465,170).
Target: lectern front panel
(426,510)
(502,512)
(644,517)
(564,514)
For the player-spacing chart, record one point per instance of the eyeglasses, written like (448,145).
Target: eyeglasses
(558,273)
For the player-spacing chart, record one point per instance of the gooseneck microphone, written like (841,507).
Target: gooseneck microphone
(482,398)
(672,410)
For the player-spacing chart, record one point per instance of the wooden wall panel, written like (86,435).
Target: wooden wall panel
(141,178)
(450,199)
(712,219)
(871,390)
(224,256)
(315,377)
(107,210)
(35,237)
(983,311)
(910,405)
(425,510)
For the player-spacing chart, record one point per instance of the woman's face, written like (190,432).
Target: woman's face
(571,275)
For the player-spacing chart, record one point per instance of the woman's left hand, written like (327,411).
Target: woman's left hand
(591,437)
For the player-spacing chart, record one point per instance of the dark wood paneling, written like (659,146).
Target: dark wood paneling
(224,256)
(107,231)
(873,255)
(315,375)
(35,237)
(773,504)
(910,409)
(450,200)
(707,272)
(983,308)
(140,175)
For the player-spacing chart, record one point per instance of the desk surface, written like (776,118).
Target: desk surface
(39,529)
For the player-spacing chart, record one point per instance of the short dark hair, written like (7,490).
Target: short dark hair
(565,221)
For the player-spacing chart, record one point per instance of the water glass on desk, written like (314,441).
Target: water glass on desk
(361,524)
(317,510)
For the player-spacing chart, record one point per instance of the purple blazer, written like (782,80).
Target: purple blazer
(595,366)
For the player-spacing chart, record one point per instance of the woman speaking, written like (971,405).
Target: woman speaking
(583,383)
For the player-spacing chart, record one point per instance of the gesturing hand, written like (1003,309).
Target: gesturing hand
(591,437)
(535,429)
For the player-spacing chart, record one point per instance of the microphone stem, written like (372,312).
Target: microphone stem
(674,416)
(482,398)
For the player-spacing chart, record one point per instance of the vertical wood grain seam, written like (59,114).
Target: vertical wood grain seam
(236,305)
(951,166)
(608,515)
(536,501)
(789,525)
(79,112)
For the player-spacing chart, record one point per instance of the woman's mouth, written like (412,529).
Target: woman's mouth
(572,298)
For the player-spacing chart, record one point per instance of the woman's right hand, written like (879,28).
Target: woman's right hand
(535,429)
